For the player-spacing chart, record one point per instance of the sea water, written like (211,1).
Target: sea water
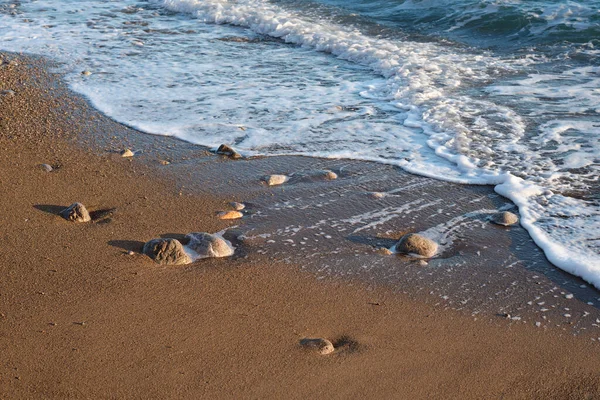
(499,92)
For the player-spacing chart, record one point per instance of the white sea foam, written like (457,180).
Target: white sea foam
(439,111)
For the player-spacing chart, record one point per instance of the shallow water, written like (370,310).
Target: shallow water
(485,92)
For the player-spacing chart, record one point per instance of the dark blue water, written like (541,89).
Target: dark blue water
(552,26)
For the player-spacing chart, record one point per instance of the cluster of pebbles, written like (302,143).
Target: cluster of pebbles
(198,245)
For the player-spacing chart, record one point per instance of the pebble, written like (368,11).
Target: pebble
(318,345)
(127,153)
(167,252)
(7,93)
(505,218)
(86,73)
(230,215)
(76,212)
(226,150)
(208,245)
(237,206)
(385,251)
(47,167)
(376,195)
(274,180)
(569,296)
(413,243)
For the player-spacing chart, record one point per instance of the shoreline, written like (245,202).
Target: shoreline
(81,318)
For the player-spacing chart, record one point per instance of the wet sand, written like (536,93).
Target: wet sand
(80,317)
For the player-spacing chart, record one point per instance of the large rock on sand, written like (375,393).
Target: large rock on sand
(413,243)
(207,245)
(318,345)
(505,218)
(76,212)
(167,252)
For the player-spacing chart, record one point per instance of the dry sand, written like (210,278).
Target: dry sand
(81,318)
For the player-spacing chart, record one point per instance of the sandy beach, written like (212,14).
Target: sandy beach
(83,314)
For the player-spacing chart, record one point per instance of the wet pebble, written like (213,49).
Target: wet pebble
(413,243)
(274,180)
(505,218)
(230,215)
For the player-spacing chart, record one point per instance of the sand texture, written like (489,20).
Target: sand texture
(85,315)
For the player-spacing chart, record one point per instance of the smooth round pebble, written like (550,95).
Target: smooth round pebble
(505,218)
(46,167)
(413,243)
(318,345)
(274,180)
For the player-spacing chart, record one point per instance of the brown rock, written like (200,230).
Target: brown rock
(166,252)
(76,212)
(230,215)
(226,150)
(413,243)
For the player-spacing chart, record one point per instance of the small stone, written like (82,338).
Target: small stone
(167,252)
(7,93)
(237,206)
(86,73)
(274,180)
(385,251)
(230,215)
(569,296)
(423,263)
(164,162)
(47,167)
(413,243)
(226,150)
(127,153)
(323,175)
(207,245)
(505,218)
(376,195)
(76,212)
(130,253)
(318,345)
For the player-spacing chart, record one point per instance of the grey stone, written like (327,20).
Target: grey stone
(167,252)
(7,93)
(47,167)
(207,245)
(413,243)
(274,180)
(76,212)
(505,218)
